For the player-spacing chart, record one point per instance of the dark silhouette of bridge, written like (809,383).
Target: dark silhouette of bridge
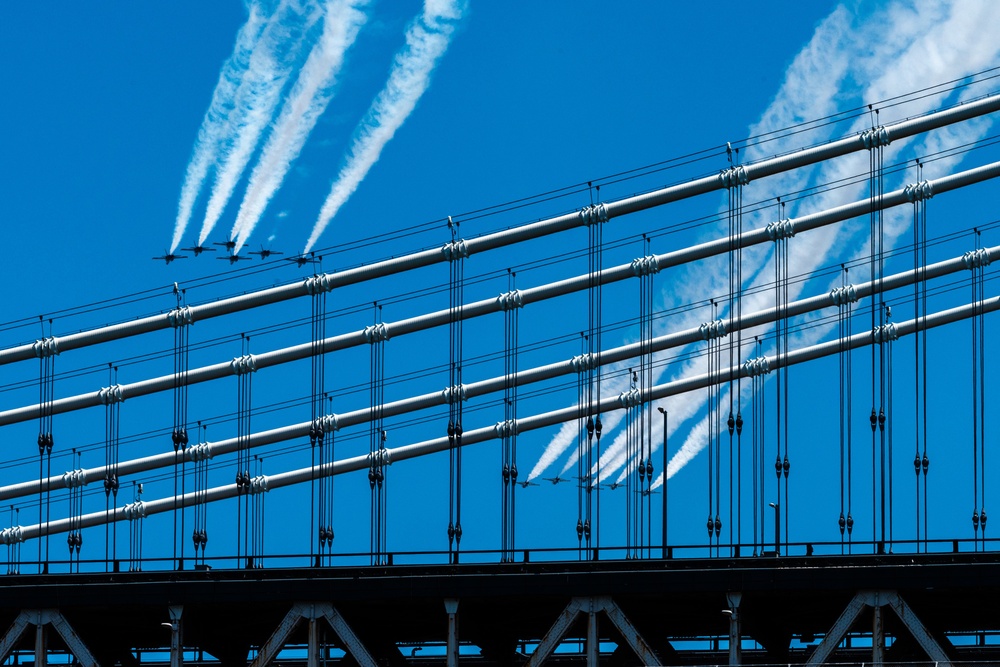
(765,588)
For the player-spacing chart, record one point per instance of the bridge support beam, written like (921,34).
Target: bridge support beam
(40,618)
(451,607)
(313,612)
(591,607)
(176,636)
(735,631)
(877,600)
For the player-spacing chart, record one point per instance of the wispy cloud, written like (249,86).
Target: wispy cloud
(849,59)
(310,96)
(427,39)
(930,41)
(214,126)
(271,65)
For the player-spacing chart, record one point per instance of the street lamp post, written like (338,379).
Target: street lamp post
(777,528)
(664,413)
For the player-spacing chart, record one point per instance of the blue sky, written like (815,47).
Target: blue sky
(105,103)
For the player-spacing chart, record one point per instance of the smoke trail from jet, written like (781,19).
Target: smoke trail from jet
(214,125)
(427,39)
(839,54)
(310,96)
(270,67)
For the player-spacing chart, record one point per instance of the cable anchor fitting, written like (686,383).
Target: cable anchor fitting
(734,176)
(758,366)
(376,333)
(318,284)
(876,137)
(111,395)
(630,398)
(454,394)
(133,511)
(975,259)
(645,266)
(455,250)
(180,317)
(74,479)
(258,485)
(46,347)
(583,362)
(243,365)
(782,229)
(200,452)
(915,192)
(710,330)
(510,300)
(379,458)
(506,429)
(594,214)
(12,535)
(843,295)
(326,424)
(885,333)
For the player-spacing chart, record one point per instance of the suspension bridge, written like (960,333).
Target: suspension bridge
(351,466)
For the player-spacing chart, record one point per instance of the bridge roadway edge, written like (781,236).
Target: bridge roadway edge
(227,611)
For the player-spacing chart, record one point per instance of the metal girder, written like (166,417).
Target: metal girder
(592,606)
(878,636)
(40,618)
(933,650)
(837,632)
(72,640)
(555,634)
(636,642)
(278,638)
(347,636)
(176,638)
(41,644)
(13,634)
(877,600)
(451,608)
(593,642)
(735,631)
(312,612)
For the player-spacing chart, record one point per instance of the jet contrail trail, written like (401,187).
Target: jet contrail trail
(840,51)
(309,98)
(269,69)
(213,127)
(427,39)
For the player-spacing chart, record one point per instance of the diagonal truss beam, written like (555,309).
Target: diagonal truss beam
(40,618)
(312,612)
(591,607)
(877,600)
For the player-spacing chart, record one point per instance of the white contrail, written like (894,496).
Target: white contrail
(310,96)
(427,39)
(214,125)
(267,75)
(927,39)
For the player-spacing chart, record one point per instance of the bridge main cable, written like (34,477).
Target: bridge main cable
(498,304)
(495,432)
(587,215)
(674,340)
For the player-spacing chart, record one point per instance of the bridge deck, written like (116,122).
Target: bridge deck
(226,612)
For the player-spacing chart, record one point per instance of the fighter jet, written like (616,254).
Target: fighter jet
(168,257)
(198,249)
(264,253)
(233,258)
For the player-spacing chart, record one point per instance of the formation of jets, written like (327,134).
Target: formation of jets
(231,256)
